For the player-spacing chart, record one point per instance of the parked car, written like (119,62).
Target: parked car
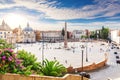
(117,57)
(117,47)
(111,47)
(84,74)
(118,61)
(115,52)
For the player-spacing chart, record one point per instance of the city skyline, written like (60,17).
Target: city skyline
(51,14)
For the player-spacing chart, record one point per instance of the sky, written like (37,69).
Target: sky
(52,14)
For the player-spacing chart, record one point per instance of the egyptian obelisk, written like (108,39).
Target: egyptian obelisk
(65,37)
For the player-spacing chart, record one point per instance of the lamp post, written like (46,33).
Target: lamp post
(17,46)
(42,49)
(82,48)
(17,42)
(83,74)
(86,53)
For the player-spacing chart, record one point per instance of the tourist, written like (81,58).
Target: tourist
(40,48)
(66,61)
(73,50)
(89,49)
(54,58)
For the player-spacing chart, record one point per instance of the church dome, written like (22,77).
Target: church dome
(5,27)
(28,28)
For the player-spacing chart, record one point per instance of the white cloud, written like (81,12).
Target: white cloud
(23,19)
(77,26)
(116,17)
(108,8)
(102,8)
(93,25)
(39,25)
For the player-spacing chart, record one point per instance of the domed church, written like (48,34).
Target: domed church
(29,34)
(6,33)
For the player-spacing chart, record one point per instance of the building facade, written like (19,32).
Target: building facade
(4,30)
(38,36)
(114,36)
(51,36)
(18,32)
(29,34)
(6,33)
(78,33)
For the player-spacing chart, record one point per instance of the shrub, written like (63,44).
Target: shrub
(29,60)
(9,62)
(52,68)
(4,44)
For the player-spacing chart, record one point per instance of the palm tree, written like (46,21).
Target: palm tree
(52,68)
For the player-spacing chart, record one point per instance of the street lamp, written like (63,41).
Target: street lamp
(82,48)
(86,53)
(17,46)
(42,49)
(83,74)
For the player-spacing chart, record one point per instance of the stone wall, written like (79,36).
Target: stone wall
(36,77)
(91,67)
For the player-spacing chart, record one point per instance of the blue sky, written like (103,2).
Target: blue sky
(51,14)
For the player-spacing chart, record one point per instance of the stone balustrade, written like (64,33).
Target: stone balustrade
(37,77)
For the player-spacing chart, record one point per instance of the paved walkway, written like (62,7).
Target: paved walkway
(70,57)
(112,71)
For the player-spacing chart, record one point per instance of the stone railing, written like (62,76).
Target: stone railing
(35,77)
(90,67)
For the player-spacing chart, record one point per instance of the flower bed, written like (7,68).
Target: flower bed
(25,63)
(9,62)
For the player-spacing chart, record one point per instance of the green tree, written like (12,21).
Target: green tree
(93,35)
(104,33)
(84,37)
(52,68)
(63,32)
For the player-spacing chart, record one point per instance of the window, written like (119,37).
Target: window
(26,32)
(29,36)
(78,32)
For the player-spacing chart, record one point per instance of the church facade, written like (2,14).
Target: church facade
(6,33)
(29,34)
